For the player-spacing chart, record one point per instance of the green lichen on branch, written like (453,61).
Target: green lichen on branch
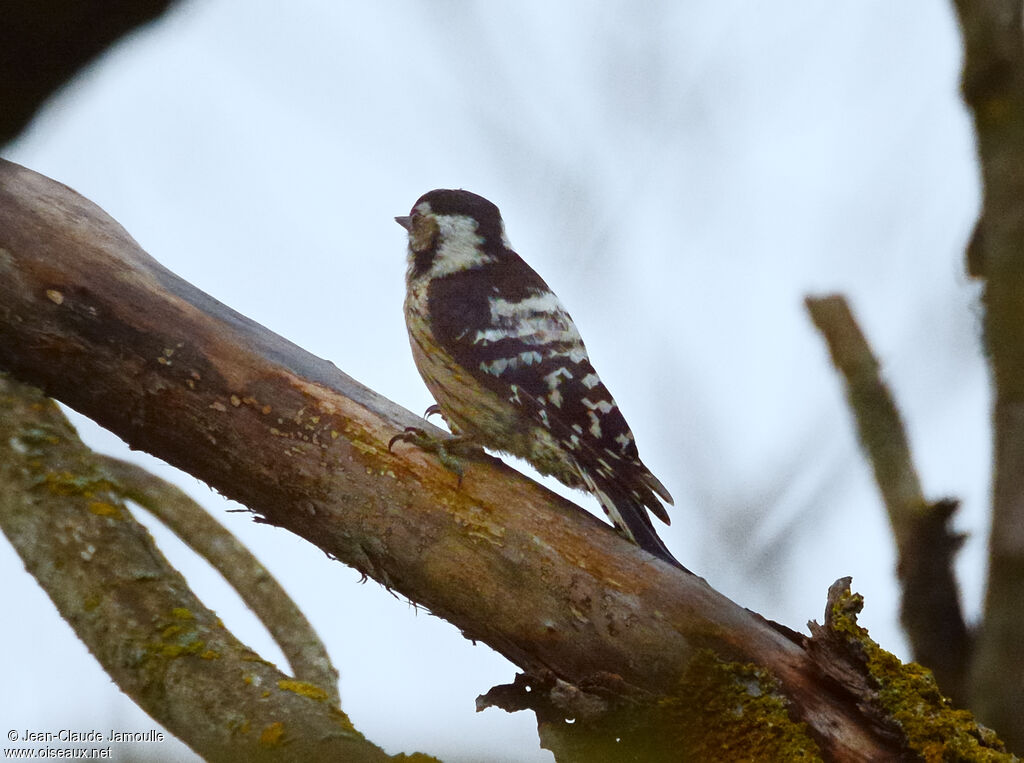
(733,710)
(907,696)
(303,689)
(721,710)
(178,636)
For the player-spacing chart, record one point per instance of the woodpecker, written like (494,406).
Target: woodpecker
(507,366)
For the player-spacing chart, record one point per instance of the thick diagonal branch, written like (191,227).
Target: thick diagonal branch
(96,322)
(930,607)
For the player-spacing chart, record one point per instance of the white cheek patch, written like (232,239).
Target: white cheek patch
(460,246)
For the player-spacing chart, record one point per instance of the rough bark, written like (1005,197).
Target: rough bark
(993,88)
(92,319)
(66,519)
(306,654)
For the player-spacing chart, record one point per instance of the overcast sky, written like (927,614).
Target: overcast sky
(681,174)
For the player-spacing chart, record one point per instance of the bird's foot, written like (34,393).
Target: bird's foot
(447,449)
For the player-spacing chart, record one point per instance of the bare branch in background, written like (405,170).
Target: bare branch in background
(137,614)
(930,606)
(306,654)
(993,88)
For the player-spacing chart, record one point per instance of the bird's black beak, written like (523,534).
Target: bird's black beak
(405,221)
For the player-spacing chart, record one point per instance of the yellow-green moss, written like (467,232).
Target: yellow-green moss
(65,483)
(272,735)
(338,716)
(176,650)
(177,636)
(908,693)
(171,631)
(733,710)
(720,711)
(104,509)
(303,689)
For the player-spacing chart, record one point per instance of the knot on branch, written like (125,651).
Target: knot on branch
(555,700)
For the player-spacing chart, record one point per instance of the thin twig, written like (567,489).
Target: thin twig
(305,652)
(136,613)
(930,606)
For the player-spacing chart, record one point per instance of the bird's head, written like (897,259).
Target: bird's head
(452,230)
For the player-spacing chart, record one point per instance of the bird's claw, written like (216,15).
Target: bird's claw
(446,449)
(409,434)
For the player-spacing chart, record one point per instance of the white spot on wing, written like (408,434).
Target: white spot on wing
(545,302)
(553,379)
(498,366)
(604,406)
(538,319)
(495,367)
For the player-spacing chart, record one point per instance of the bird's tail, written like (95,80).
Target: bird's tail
(627,508)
